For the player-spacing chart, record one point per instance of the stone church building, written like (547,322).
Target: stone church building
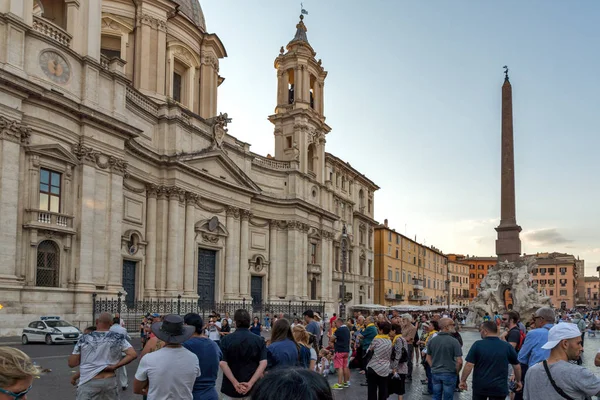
(117,174)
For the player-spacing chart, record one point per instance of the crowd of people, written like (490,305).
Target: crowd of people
(181,357)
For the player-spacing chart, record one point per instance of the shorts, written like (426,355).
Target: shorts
(340,360)
(101,389)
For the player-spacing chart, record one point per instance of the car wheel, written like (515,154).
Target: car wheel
(24,339)
(49,339)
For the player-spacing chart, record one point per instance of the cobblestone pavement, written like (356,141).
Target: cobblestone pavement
(55,385)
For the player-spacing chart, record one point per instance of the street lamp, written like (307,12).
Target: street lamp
(344,245)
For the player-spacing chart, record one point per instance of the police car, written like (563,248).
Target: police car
(50,330)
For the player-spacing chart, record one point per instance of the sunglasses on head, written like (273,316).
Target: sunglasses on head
(16,395)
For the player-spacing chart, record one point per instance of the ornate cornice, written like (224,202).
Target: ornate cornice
(258,224)
(14,131)
(101,160)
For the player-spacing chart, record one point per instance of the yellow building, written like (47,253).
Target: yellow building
(459,283)
(407,272)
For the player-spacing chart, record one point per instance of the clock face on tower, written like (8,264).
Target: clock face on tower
(55,67)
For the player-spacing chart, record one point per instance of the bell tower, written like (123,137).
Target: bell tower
(300,126)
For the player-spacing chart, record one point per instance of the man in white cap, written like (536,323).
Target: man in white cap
(556,378)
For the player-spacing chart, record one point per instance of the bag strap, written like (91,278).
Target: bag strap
(558,390)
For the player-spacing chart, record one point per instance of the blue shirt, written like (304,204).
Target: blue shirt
(282,354)
(532,353)
(491,357)
(209,355)
(255,329)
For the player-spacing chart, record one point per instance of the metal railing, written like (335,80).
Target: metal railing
(132,313)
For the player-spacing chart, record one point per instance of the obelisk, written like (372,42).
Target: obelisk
(508,244)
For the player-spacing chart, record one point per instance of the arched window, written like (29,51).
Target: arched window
(47,264)
(311,157)
(51,10)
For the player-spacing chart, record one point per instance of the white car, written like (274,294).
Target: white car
(50,330)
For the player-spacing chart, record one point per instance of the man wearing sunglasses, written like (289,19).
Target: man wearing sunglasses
(532,351)
(16,374)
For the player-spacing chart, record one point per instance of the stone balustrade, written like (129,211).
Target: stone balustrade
(270,163)
(51,219)
(141,101)
(52,31)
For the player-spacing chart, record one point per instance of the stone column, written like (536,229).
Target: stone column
(190,246)
(293,260)
(172,242)
(232,288)
(244,275)
(161,58)
(281,88)
(304,260)
(150,270)
(143,73)
(325,265)
(298,95)
(273,265)
(10,151)
(88,232)
(115,261)
(161,239)
(92,22)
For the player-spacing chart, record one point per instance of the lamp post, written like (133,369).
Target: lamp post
(344,260)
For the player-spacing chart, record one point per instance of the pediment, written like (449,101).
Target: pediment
(55,151)
(221,168)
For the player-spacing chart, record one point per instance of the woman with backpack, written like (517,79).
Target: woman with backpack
(398,362)
(307,355)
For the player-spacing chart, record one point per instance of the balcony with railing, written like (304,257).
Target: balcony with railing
(47,220)
(418,284)
(51,30)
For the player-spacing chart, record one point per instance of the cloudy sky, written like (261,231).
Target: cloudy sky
(413,96)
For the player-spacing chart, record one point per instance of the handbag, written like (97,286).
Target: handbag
(367,357)
(558,390)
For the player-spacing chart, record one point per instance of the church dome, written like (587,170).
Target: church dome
(192,9)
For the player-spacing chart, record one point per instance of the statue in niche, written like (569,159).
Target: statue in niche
(296,151)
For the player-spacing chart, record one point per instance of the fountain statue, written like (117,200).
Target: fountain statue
(514,277)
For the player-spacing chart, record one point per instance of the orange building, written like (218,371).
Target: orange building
(478,269)
(556,277)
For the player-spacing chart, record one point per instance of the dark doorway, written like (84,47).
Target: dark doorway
(313,289)
(206,275)
(129,281)
(256,290)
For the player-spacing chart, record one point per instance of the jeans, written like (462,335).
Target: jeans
(429,379)
(443,386)
(378,386)
(410,362)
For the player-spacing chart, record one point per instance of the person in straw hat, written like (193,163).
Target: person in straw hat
(170,372)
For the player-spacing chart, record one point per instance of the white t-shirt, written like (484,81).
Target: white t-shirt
(213,332)
(313,354)
(99,350)
(119,329)
(171,371)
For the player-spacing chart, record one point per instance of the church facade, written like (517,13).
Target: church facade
(118,175)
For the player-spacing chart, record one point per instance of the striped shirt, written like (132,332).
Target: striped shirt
(382,352)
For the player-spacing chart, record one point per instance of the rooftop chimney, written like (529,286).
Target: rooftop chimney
(385,223)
